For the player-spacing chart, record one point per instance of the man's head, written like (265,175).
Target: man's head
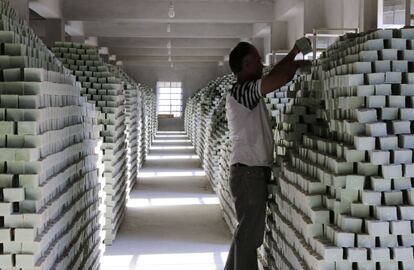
(245,61)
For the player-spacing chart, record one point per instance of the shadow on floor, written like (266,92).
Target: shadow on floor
(171,222)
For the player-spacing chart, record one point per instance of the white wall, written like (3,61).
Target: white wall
(295,25)
(331,14)
(288,25)
(302,16)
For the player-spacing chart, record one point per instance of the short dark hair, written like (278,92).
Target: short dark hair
(238,54)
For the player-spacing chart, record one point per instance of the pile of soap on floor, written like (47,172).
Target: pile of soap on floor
(49,184)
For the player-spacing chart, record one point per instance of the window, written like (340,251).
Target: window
(170,98)
(391,13)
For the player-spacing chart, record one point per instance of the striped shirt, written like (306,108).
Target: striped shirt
(248,93)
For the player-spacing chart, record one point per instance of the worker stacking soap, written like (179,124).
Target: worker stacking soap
(104,90)
(49,203)
(344,199)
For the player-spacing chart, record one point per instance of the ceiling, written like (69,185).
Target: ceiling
(141,32)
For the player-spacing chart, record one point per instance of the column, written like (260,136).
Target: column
(369,15)
(54,31)
(279,40)
(22,8)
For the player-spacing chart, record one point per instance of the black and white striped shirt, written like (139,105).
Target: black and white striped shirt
(248,93)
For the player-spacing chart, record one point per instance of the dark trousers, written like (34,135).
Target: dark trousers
(249,190)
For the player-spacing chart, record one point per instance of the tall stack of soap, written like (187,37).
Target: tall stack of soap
(345,199)
(104,90)
(130,91)
(211,100)
(150,118)
(206,125)
(49,185)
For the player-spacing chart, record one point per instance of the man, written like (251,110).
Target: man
(252,153)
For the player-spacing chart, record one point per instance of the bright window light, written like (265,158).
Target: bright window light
(138,203)
(171,261)
(171,147)
(170,98)
(171,174)
(116,262)
(167,157)
(210,200)
(391,13)
(175,201)
(183,259)
(169,132)
(171,141)
(171,136)
(224,256)
(148,202)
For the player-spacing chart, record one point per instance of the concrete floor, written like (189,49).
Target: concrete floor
(173,219)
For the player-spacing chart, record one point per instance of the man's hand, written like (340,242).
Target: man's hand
(284,71)
(304,45)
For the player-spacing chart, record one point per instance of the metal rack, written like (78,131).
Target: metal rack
(327,33)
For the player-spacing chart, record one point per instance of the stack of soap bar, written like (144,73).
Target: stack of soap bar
(150,120)
(206,124)
(49,202)
(336,206)
(344,158)
(105,91)
(130,90)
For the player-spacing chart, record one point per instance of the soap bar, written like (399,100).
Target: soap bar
(388,143)
(364,143)
(357,254)
(400,227)
(12,75)
(391,171)
(401,127)
(13,194)
(406,114)
(402,156)
(393,198)
(386,213)
(35,75)
(377,228)
(379,157)
(393,77)
(376,129)
(382,66)
(383,90)
(6,261)
(366,115)
(380,254)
